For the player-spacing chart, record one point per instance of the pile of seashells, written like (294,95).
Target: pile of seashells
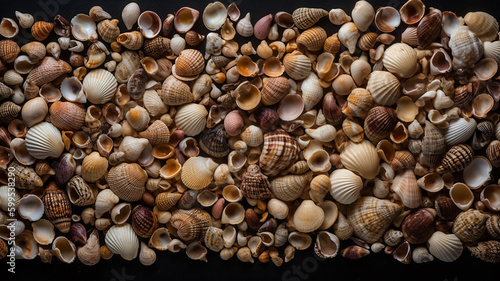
(133,142)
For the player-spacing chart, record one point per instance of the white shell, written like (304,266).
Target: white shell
(44,140)
(72,90)
(312,92)
(362,158)
(384,87)
(43,232)
(130,14)
(345,186)
(466,48)
(31,207)
(244,26)
(83,27)
(214,15)
(459,131)
(191,119)
(122,240)
(445,247)
(401,60)
(99,86)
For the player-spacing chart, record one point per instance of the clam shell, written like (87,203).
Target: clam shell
(401,60)
(202,167)
(67,116)
(94,167)
(43,232)
(384,87)
(279,151)
(406,187)
(100,86)
(191,119)
(345,186)
(387,19)
(44,140)
(484,25)
(429,28)
(412,11)
(459,131)
(297,65)
(352,154)
(188,65)
(308,217)
(214,143)
(127,181)
(191,224)
(214,15)
(290,187)
(433,145)
(121,240)
(144,221)
(466,48)
(31,207)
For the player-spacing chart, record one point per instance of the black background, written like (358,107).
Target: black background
(170,266)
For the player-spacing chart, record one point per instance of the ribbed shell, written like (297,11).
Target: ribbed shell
(157,133)
(44,140)
(297,65)
(488,251)
(384,87)
(429,28)
(290,187)
(370,217)
(144,221)
(307,17)
(313,38)
(121,239)
(166,200)
(108,30)
(25,177)
(345,186)
(9,51)
(446,208)
(156,47)
(419,226)
(254,184)
(460,130)
(361,158)
(40,30)
(279,151)
(359,102)
(127,181)
(493,226)
(403,159)
(213,239)
(94,166)
(191,224)
(445,247)
(433,145)
(484,25)
(57,207)
(189,63)
(99,86)
(466,48)
(47,71)
(274,89)
(81,194)
(406,187)
(191,119)
(175,92)
(8,112)
(401,60)
(214,143)
(197,172)
(456,159)
(470,225)
(67,116)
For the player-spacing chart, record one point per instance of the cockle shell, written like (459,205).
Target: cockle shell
(44,140)
(94,167)
(297,65)
(290,187)
(279,151)
(100,86)
(345,186)
(191,118)
(9,50)
(308,217)
(121,239)
(361,158)
(157,133)
(127,181)
(401,60)
(370,217)
(191,224)
(384,87)
(202,167)
(406,187)
(307,17)
(484,25)
(466,48)
(175,92)
(188,65)
(67,116)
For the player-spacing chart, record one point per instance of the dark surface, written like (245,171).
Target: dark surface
(170,266)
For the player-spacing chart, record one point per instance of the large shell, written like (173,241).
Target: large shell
(361,158)
(370,217)
(384,87)
(127,181)
(44,140)
(157,133)
(121,240)
(214,143)
(470,225)
(279,151)
(191,224)
(254,184)
(191,118)
(401,60)
(484,25)
(466,48)
(188,65)
(345,186)
(419,226)
(48,70)
(488,251)
(67,116)
(445,247)
(100,86)
(57,207)
(406,187)
(197,172)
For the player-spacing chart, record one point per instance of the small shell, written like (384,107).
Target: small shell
(419,226)
(202,167)
(297,65)
(94,167)
(307,17)
(150,24)
(429,28)
(127,181)
(64,249)
(456,159)
(214,15)
(248,96)
(387,19)
(401,60)
(188,65)
(489,196)
(83,27)
(130,14)
(244,26)
(80,192)
(43,232)
(41,30)
(9,50)
(191,118)
(406,187)
(412,11)
(478,172)
(31,207)
(299,240)
(57,207)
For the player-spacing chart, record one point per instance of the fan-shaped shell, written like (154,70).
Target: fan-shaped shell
(175,92)
(406,187)
(127,181)
(99,86)
(361,158)
(308,217)
(44,140)
(445,247)
(197,172)
(191,224)
(484,25)
(122,240)
(384,87)
(460,130)
(401,60)
(67,116)
(191,119)
(345,186)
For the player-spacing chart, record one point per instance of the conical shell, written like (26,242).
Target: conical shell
(433,145)
(41,30)
(191,224)
(488,251)
(188,65)
(121,240)
(197,172)
(8,112)
(370,217)
(470,225)
(127,181)
(456,159)
(156,47)
(274,89)
(67,116)
(157,133)
(290,187)
(191,119)
(47,71)
(406,187)
(307,17)
(445,247)
(57,207)
(44,140)
(345,186)
(313,39)
(384,87)
(254,184)
(279,151)
(175,92)
(361,158)
(25,176)
(100,86)
(131,40)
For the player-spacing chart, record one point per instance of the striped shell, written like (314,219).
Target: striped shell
(297,65)
(345,186)
(274,89)
(406,187)
(456,159)
(57,207)
(188,65)
(94,166)
(401,60)
(214,143)
(361,158)
(191,224)
(127,181)
(99,86)
(279,151)
(157,133)
(175,92)
(312,39)
(122,240)
(144,221)
(47,71)
(44,140)
(197,172)
(384,87)
(8,112)
(254,184)
(379,123)
(307,17)
(290,187)
(484,25)
(433,145)
(445,247)
(460,130)
(191,119)
(67,116)
(470,225)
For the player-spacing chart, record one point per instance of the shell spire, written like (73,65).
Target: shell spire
(307,17)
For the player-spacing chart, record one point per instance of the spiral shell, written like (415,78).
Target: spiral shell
(279,151)
(307,17)
(254,184)
(57,207)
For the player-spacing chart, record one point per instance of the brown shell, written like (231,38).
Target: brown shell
(493,226)
(429,28)
(433,145)
(190,63)
(127,181)
(419,226)
(267,118)
(108,30)
(175,92)
(191,224)
(279,151)
(470,225)
(9,51)
(166,200)
(67,116)
(156,47)
(488,251)
(157,133)
(463,95)
(3,249)
(57,207)
(144,221)
(307,17)
(368,41)
(403,159)
(193,38)
(312,39)
(483,135)
(446,208)
(47,71)
(379,123)
(5,91)
(214,143)
(332,111)
(456,159)
(332,44)
(136,84)
(8,112)
(25,177)
(493,153)
(254,184)
(41,30)
(274,89)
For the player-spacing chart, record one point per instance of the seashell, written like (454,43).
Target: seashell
(353,152)
(387,19)
(149,24)
(19,151)
(191,224)
(290,187)
(189,147)
(160,239)
(338,16)
(35,50)
(214,15)
(233,123)
(157,46)
(307,17)
(214,143)
(67,116)
(34,111)
(492,50)
(370,217)
(254,184)
(83,28)
(40,30)
(9,50)
(244,26)
(175,92)
(191,118)
(98,14)
(9,111)
(89,254)
(392,237)
(204,169)
(297,65)
(43,232)
(470,225)
(94,167)
(104,202)
(127,181)
(121,240)
(12,78)
(401,60)
(421,255)
(31,207)
(477,173)
(273,67)
(312,92)
(79,192)
(412,11)
(308,217)
(178,44)
(348,35)
(193,38)
(44,140)
(188,65)
(279,151)
(429,28)
(345,186)
(459,131)
(466,48)
(299,240)
(25,20)
(419,226)
(247,96)
(99,86)
(485,69)
(406,187)
(433,145)
(48,70)
(384,87)
(72,90)
(166,200)
(484,25)
(157,133)
(144,221)
(96,55)
(133,40)
(262,27)
(456,159)
(487,251)
(233,213)
(324,133)
(138,118)
(489,196)
(492,152)
(64,249)
(57,207)
(312,39)
(22,65)
(130,14)
(461,195)
(267,118)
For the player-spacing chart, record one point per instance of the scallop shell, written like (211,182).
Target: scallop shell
(197,172)
(308,217)
(361,158)
(44,140)
(345,186)
(191,118)
(127,181)
(290,187)
(279,151)
(188,65)
(121,239)
(445,247)
(401,60)
(384,87)
(297,65)
(47,71)
(100,86)
(94,167)
(370,217)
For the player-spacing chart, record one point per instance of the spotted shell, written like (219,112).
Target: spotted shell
(254,184)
